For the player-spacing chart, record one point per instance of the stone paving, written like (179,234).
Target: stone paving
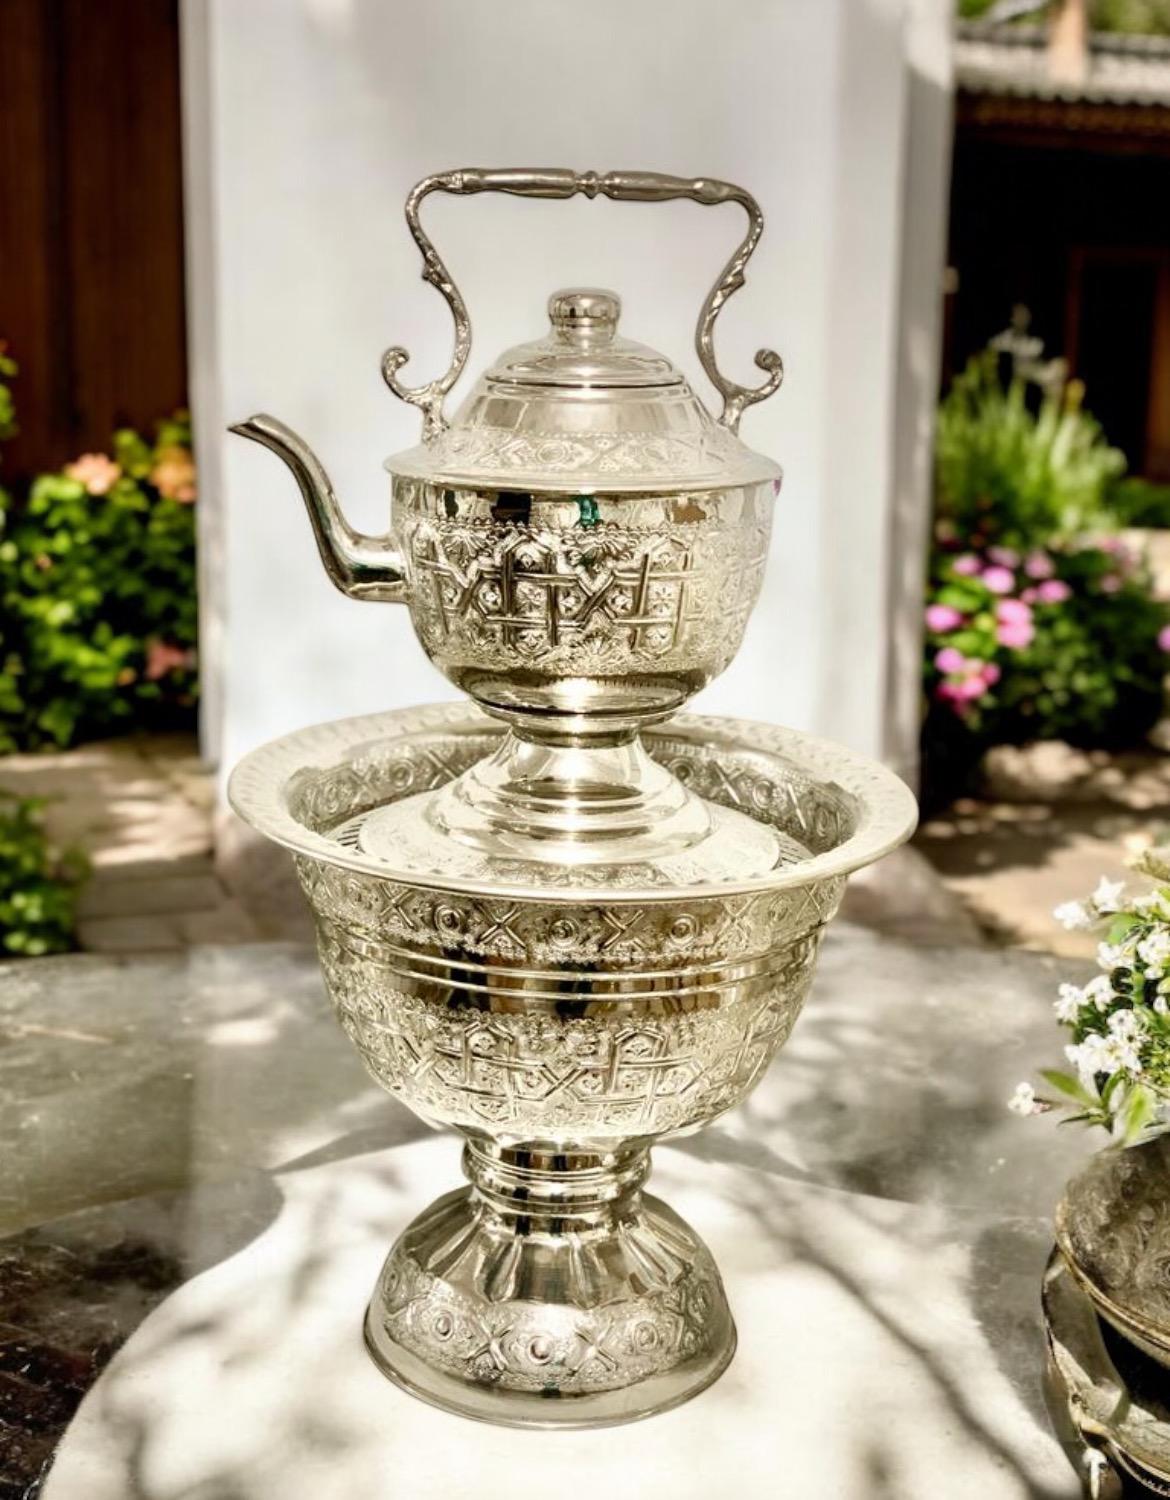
(1050,822)
(141,808)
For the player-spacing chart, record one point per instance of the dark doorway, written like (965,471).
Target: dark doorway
(1112,297)
(1078,231)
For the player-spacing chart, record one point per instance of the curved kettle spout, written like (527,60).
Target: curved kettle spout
(363,567)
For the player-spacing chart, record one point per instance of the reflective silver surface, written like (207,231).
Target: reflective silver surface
(562,1028)
(531,182)
(562,941)
(1104,1395)
(1113,1226)
(871,1201)
(580,548)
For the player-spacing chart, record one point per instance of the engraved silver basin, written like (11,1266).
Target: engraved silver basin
(562,1019)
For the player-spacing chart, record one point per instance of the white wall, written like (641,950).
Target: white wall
(307,122)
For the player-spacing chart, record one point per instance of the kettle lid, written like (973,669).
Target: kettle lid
(584,410)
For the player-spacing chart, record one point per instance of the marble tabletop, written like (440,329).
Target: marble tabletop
(201,1184)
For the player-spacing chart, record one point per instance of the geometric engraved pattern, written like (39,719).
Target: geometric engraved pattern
(581,1018)
(1114,1229)
(627,1067)
(618,586)
(844,809)
(712,455)
(558,1028)
(575,933)
(669,1303)
(819,815)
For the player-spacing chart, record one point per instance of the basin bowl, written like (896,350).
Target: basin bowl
(562,1020)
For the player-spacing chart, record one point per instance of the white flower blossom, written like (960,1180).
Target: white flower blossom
(1087,1057)
(1154,952)
(1126,1025)
(1024,1101)
(1112,956)
(1149,904)
(1109,895)
(1099,992)
(1119,1050)
(1160,1007)
(1074,916)
(1067,1005)
(1125,1035)
(1126,1055)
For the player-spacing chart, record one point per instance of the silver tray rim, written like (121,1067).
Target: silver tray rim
(888,810)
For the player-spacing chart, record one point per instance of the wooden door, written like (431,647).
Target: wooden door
(1117,340)
(91,221)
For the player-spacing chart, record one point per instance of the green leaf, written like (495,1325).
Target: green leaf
(1136,1113)
(1066,1084)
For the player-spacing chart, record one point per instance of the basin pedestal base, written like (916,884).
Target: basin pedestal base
(551,1293)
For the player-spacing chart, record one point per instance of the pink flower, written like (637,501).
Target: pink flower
(1164,638)
(949,659)
(967,689)
(1006,557)
(942,617)
(96,472)
(967,566)
(163,657)
(962,691)
(1054,591)
(1029,596)
(173,475)
(968,678)
(999,580)
(1039,565)
(1110,583)
(1013,612)
(1016,634)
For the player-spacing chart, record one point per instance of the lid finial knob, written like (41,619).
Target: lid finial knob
(585,313)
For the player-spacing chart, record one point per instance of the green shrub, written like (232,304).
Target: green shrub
(1059,644)
(8,426)
(38,885)
(98,595)
(1140,17)
(1039,623)
(1139,502)
(1006,473)
(1143,17)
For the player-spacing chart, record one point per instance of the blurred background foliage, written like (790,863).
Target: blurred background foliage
(98,634)
(1041,620)
(38,883)
(98,604)
(1136,17)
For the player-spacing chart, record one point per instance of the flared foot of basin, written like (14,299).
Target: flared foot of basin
(551,1293)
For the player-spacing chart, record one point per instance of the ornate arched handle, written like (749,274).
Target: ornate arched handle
(559,182)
